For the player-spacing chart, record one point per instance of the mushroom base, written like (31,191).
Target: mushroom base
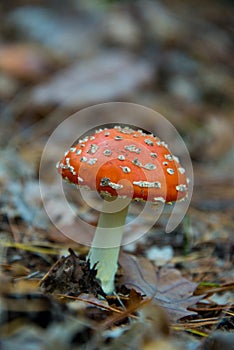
(106,245)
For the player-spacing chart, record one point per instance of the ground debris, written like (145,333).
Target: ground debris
(166,286)
(57,57)
(33,308)
(219,340)
(73,276)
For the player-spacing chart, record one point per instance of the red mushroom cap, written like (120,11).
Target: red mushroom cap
(103,161)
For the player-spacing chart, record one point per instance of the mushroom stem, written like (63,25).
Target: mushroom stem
(106,244)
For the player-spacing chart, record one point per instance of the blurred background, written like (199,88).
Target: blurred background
(175,57)
(57,57)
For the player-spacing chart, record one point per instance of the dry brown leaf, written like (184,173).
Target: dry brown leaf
(166,286)
(139,274)
(134,300)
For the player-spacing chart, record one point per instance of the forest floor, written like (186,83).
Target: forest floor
(173,290)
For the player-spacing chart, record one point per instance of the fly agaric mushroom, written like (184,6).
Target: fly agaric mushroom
(121,162)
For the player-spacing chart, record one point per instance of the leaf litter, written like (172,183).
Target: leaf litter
(166,286)
(187,302)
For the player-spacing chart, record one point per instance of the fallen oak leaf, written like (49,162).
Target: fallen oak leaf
(165,286)
(175,293)
(139,274)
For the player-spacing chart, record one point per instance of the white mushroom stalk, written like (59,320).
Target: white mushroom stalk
(106,244)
